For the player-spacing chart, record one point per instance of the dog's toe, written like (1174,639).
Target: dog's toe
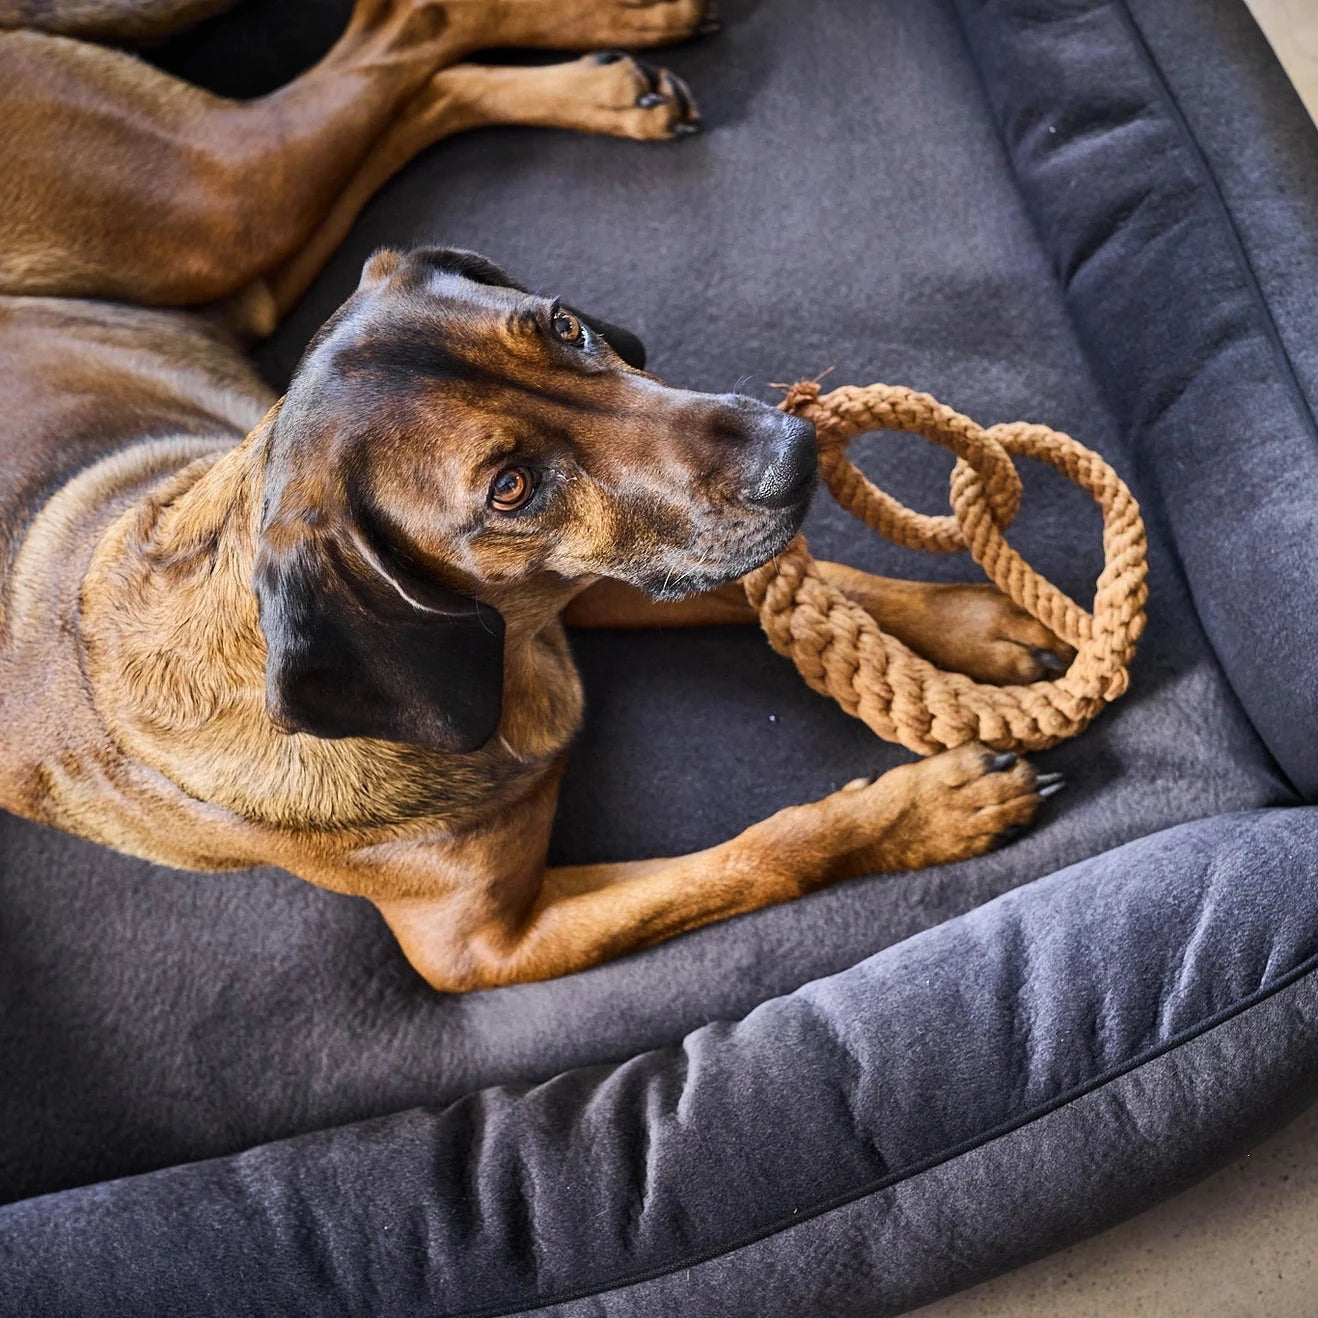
(626,97)
(1049,660)
(711,24)
(668,102)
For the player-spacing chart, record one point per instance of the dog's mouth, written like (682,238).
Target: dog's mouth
(714,558)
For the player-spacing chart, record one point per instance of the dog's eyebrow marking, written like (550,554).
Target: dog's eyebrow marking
(505,447)
(414,354)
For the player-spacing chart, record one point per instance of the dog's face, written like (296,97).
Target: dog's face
(450,437)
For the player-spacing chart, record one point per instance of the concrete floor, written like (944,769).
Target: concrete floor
(1244,1243)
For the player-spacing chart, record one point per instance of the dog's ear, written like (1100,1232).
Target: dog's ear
(360,645)
(379,266)
(622,341)
(470,265)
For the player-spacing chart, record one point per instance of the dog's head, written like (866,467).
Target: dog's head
(450,443)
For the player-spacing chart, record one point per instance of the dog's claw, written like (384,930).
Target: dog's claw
(687,129)
(1010,834)
(1049,784)
(709,26)
(650,100)
(1002,761)
(1050,662)
(683,99)
(610,56)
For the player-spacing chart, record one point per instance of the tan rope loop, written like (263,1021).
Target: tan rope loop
(841,651)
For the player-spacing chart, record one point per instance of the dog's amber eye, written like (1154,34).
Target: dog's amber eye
(567,327)
(511,489)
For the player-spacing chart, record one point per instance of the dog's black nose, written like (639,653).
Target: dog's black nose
(785,470)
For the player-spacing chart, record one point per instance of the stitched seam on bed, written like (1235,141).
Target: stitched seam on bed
(1040,1110)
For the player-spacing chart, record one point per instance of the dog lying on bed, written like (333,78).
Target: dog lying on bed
(327,632)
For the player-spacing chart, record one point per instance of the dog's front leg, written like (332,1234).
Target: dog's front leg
(970,627)
(973,628)
(505,924)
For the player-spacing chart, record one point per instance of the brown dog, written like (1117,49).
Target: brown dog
(336,644)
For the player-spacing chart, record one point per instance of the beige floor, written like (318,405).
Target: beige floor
(1292,27)
(1243,1244)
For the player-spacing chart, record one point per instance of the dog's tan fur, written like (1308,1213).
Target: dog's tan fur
(158,502)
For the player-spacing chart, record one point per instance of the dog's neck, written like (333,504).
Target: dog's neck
(176,659)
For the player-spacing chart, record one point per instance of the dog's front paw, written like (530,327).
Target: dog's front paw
(949,807)
(975,629)
(986,636)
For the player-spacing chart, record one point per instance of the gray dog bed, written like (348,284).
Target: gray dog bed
(230,1094)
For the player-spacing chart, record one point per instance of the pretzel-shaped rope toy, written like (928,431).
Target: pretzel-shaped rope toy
(841,651)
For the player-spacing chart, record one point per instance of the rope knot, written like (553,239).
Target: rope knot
(797,397)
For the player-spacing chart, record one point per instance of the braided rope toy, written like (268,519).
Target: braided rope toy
(842,652)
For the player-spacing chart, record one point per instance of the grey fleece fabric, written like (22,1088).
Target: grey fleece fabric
(1032,210)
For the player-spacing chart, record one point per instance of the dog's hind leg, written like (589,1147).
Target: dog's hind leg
(607,93)
(579,24)
(108,20)
(123,182)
